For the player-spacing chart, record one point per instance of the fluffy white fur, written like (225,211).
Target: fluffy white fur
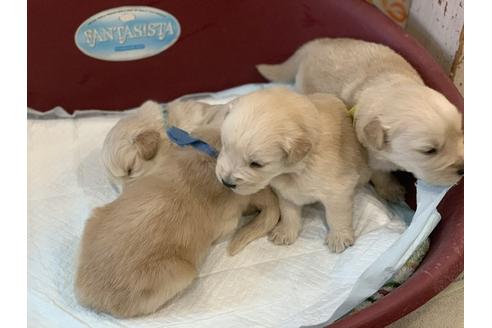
(302,146)
(403,124)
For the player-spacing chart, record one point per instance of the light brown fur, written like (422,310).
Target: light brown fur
(144,248)
(130,146)
(403,124)
(302,146)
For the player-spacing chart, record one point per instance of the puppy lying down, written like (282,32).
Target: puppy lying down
(129,148)
(145,247)
(302,146)
(403,124)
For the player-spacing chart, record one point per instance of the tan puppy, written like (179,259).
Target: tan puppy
(403,124)
(130,146)
(302,146)
(146,246)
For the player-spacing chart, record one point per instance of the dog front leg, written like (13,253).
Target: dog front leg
(287,230)
(339,219)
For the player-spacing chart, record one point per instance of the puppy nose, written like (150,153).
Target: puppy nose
(228,185)
(461,171)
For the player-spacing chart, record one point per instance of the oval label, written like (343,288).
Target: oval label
(127,33)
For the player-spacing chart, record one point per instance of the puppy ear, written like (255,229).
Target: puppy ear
(149,107)
(375,134)
(147,143)
(296,149)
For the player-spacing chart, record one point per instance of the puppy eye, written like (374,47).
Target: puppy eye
(430,151)
(255,165)
(129,171)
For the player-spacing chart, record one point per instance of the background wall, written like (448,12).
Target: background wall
(437,24)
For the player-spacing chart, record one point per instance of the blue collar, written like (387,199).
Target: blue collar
(182,138)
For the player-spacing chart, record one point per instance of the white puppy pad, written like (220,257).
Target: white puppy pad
(263,286)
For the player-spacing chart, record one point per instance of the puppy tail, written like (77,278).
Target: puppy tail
(284,72)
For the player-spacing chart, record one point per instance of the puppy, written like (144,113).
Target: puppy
(130,146)
(403,124)
(145,247)
(302,146)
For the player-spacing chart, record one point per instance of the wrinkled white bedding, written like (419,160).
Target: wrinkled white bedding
(263,286)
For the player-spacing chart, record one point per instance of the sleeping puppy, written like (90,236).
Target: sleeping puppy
(403,124)
(145,247)
(302,146)
(130,146)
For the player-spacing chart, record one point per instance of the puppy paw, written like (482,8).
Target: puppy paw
(237,243)
(234,247)
(393,192)
(283,235)
(338,241)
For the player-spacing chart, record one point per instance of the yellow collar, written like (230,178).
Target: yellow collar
(352,112)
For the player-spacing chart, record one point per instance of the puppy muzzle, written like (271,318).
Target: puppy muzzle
(228,184)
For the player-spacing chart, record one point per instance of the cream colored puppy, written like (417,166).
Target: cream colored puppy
(145,247)
(403,124)
(302,146)
(130,146)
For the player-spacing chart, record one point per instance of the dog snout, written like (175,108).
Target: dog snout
(228,184)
